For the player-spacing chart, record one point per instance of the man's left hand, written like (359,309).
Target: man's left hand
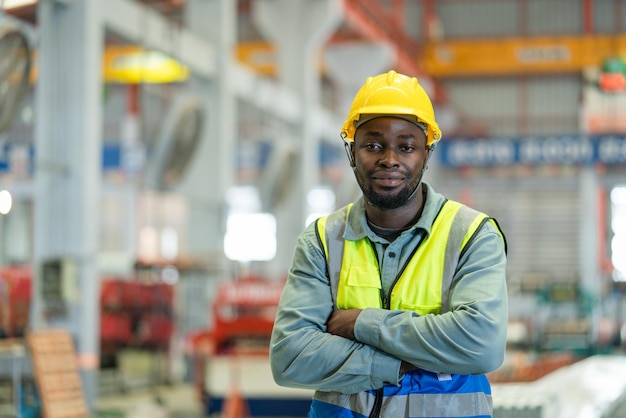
(341,322)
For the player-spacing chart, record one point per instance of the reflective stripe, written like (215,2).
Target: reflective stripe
(330,232)
(416,405)
(457,239)
(321,409)
(361,403)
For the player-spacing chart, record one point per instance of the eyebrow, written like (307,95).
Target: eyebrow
(379,134)
(373,133)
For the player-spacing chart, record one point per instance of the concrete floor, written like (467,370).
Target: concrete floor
(592,388)
(165,401)
(139,387)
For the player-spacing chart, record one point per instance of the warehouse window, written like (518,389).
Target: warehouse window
(250,233)
(618,226)
(169,243)
(250,237)
(320,201)
(6,202)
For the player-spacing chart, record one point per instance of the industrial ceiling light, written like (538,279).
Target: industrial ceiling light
(14,4)
(6,202)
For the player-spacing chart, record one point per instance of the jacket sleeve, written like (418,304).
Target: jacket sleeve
(302,353)
(471,337)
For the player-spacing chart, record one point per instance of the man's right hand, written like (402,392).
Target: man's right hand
(406,367)
(341,322)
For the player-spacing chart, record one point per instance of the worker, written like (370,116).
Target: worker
(395,305)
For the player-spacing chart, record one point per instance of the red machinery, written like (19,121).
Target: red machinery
(15,291)
(132,313)
(135,314)
(243,313)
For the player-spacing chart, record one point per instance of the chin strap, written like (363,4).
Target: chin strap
(430,149)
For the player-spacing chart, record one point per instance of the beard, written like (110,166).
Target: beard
(389,201)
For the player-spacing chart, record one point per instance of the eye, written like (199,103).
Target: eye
(372,146)
(407,148)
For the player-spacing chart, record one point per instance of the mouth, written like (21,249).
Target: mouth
(388,180)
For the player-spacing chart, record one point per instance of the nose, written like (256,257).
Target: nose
(389,158)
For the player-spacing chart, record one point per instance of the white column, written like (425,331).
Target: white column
(68,140)
(349,64)
(212,171)
(298,29)
(588,238)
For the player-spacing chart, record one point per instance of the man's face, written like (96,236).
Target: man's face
(389,155)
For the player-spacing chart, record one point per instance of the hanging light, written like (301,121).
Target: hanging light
(14,4)
(6,202)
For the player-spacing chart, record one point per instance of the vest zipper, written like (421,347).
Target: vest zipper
(378,403)
(386,301)
(386,298)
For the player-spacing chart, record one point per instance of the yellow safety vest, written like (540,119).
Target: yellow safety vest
(422,285)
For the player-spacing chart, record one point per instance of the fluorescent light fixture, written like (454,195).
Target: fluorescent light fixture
(618,225)
(618,196)
(320,202)
(243,199)
(321,198)
(6,202)
(13,4)
(250,237)
(169,243)
(148,243)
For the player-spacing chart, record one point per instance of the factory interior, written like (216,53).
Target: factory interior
(160,158)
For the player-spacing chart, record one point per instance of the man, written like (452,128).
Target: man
(396,305)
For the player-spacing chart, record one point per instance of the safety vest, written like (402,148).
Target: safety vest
(355,283)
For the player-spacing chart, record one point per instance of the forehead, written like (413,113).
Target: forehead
(390,125)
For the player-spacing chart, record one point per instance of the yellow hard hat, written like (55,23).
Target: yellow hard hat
(392,94)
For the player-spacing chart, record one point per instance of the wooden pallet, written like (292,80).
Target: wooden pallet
(53,357)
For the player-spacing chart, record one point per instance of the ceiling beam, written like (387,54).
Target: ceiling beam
(375,23)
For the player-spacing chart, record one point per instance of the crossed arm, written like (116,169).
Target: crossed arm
(341,323)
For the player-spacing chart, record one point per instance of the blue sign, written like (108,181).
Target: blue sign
(116,156)
(559,149)
(112,156)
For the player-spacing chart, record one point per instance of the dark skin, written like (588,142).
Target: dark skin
(389,156)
